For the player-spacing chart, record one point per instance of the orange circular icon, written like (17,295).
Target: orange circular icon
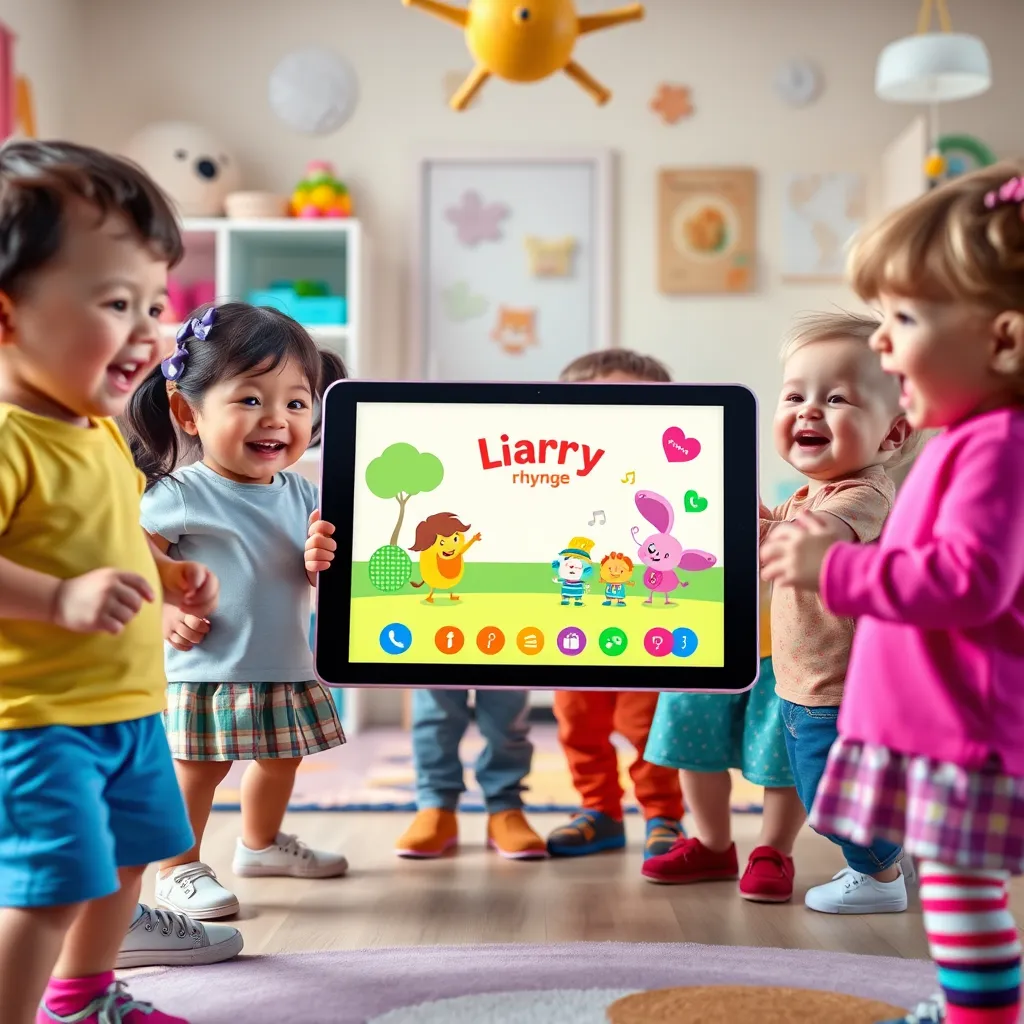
(530,640)
(490,640)
(449,639)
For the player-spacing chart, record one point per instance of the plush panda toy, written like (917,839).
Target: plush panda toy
(189,163)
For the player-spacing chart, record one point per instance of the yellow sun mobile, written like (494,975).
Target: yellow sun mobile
(525,42)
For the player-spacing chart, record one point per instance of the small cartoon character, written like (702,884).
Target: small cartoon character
(573,566)
(616,570)
(516,329)
(439,540)
(661,552)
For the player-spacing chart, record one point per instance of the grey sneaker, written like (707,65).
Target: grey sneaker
(114,1005)
(164,938)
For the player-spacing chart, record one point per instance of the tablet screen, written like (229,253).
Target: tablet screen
(538,535)
(561,536)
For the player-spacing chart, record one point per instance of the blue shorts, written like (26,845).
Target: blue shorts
(711,732)
(79,802)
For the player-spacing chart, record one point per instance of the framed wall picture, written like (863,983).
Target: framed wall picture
(512,262)
(707,230)
(820,215)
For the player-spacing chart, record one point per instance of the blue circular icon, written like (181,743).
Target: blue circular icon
(395,638)
(684,642)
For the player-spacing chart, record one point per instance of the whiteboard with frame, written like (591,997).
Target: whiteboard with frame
(512,262)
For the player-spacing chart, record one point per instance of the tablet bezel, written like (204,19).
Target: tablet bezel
(741,577)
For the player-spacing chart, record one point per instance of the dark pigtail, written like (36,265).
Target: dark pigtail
(332,368)
(149,429)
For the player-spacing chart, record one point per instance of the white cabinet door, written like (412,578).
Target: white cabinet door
(903,177)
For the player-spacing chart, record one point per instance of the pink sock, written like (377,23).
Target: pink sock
(66,997)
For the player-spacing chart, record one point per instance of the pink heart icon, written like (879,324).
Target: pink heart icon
(678,447)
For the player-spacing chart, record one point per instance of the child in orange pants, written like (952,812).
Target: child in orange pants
(586,721)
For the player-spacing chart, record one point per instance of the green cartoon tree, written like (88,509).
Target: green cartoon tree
(399,472)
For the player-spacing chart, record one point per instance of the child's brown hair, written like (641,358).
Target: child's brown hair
(39,179)
(812,327)
(595,365)
(949,245)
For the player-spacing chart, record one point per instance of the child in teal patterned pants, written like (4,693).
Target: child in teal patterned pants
(704,735)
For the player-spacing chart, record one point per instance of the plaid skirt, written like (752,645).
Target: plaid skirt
(935,810)
(249,721)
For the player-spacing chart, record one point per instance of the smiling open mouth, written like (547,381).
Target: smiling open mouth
(122,375)
(809,441)
(266,447)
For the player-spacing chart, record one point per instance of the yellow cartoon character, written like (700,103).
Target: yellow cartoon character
(616,575)
(440,542)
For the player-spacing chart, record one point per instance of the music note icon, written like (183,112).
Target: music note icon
(600,513)
(629,478)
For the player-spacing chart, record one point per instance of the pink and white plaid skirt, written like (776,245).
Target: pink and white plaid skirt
(935,810)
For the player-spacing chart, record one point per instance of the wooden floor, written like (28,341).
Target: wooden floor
(476,897)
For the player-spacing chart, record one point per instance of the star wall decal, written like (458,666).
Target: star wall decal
(672,103)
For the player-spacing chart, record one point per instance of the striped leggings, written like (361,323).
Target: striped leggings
(973,941)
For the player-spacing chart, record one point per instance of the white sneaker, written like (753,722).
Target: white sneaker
(909,869)
(287,857)
(193,889)
(850,892)
(163,938)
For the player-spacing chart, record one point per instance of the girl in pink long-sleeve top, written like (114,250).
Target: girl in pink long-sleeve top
(931,733)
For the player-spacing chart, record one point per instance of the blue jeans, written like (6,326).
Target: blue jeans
(810,733)
(439,721)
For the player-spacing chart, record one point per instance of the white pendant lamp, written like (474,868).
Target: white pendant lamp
(933,67)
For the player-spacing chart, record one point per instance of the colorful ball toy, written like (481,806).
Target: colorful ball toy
(321,194)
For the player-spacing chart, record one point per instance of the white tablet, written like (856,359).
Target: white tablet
(543,536)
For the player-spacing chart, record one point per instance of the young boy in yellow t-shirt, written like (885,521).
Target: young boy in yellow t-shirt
(88,795)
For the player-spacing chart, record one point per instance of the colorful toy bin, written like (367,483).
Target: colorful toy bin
(309,302)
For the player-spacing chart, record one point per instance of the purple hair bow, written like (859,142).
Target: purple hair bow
(174,366)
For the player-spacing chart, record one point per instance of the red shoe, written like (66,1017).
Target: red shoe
(690,860)
(769,877)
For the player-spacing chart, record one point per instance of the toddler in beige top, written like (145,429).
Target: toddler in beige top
(839,423)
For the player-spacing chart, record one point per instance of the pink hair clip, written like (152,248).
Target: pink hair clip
(1011,191)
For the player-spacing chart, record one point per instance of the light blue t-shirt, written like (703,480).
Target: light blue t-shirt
(252,537)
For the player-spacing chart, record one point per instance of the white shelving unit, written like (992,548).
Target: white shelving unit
(242,255)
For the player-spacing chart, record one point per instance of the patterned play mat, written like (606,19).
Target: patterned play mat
(578,983)
(374,772)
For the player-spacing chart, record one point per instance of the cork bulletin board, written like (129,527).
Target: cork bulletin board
(707,231)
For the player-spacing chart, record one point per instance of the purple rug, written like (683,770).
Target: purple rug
(550,984)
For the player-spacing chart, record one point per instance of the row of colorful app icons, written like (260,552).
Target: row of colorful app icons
(396,639)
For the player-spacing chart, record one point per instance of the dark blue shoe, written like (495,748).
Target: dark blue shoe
(662,834)
(589,832)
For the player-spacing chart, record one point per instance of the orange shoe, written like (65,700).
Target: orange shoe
(510,834)
(433,833)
